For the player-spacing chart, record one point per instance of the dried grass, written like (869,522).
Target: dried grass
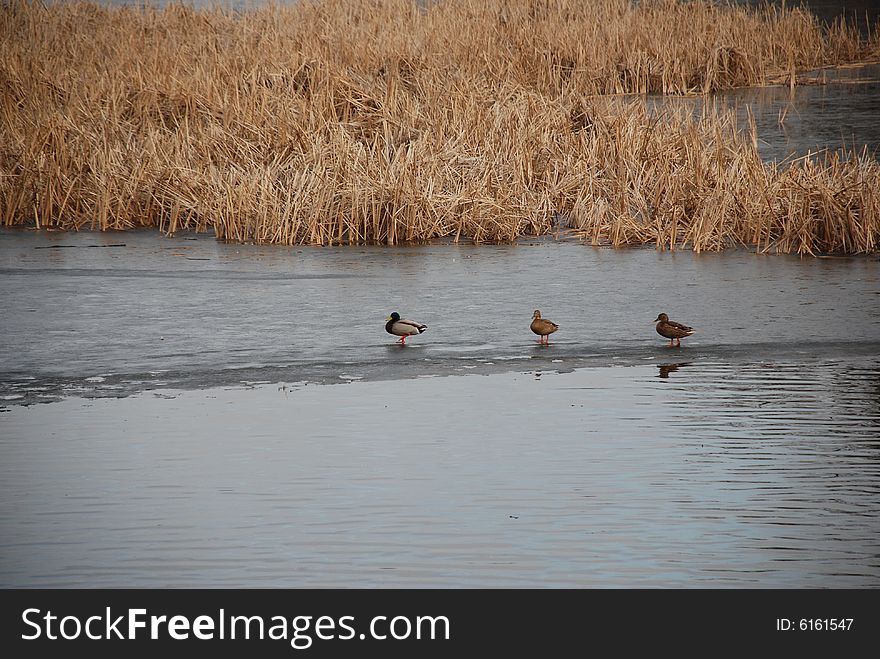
(373,121)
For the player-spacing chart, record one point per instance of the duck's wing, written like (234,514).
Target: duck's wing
(410,326)
(680,327)
(673,330)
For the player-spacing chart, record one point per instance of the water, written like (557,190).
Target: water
(762,475)
(194,439)
(114,314)
(835,111)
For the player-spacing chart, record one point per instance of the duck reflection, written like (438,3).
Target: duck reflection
(666,369)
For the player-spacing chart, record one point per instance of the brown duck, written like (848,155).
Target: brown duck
(673,331)
(543,328)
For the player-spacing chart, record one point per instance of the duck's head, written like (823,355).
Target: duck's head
(536,315)
(662,318)
(394,316)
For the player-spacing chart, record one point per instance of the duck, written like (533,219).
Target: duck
(542,327)
(673,331)
(403,328)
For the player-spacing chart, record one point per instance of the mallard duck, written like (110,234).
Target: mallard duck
(672,330)
(541,327)
(403,328)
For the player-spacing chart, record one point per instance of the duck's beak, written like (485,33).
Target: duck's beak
(387,319)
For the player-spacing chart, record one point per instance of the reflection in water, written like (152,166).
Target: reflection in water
(666,369)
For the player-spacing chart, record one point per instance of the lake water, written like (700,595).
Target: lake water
(711,475)
(834,111)
(189,434)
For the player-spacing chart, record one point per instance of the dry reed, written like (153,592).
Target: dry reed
(342,122)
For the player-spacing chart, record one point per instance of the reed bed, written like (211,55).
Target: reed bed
(348,122)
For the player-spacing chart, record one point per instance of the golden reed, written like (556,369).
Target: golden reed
(341,122)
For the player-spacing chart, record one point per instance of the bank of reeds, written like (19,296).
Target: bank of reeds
(343,122)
